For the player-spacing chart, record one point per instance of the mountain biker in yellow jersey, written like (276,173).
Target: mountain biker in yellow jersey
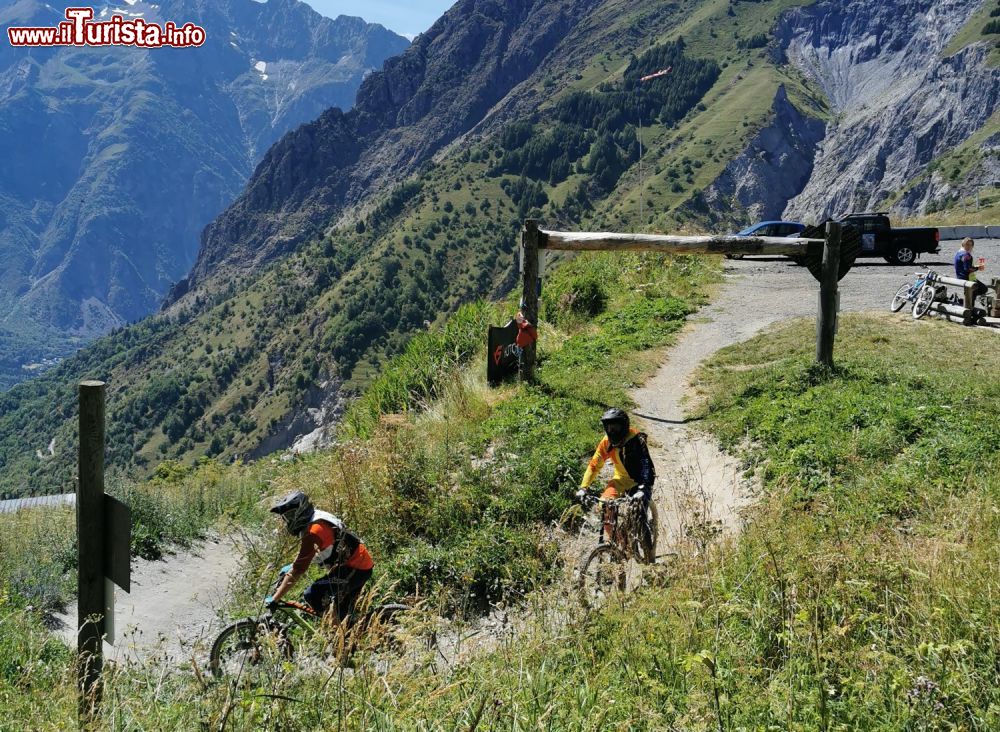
(626,448)
(326,541)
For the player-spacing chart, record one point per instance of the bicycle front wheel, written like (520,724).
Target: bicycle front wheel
(900,298)
(645,545)
(601,575)
(923,302)
(244,645)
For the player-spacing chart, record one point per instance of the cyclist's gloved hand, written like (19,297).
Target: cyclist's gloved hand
(581,495)
(640,494)
(270,603)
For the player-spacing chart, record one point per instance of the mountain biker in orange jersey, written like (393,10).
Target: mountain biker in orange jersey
(626,448)
(326,541)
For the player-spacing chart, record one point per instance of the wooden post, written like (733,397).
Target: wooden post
(826,324)
(90,540)
(530,239)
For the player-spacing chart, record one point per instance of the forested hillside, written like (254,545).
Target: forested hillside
(360,228)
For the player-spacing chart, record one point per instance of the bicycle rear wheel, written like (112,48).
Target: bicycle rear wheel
(900,298)
(601,575)
(244,645)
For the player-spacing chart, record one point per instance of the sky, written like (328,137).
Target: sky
(407,17)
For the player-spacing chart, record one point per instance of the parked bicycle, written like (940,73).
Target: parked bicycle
(911,293)
(604,569)
(254,642)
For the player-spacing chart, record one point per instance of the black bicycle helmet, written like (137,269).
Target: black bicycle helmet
(297,511)
(615,423)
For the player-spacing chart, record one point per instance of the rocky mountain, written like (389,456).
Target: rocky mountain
(899,98)
(363,226)
(424,99)
(117,157)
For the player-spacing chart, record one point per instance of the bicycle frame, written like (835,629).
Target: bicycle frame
(923,278)
(620,536)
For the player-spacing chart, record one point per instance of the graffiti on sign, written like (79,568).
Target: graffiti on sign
(502,353)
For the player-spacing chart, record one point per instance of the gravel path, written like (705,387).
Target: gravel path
(173,604)
(698,487)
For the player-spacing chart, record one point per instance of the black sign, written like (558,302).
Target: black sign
(851,244)
(117,542)
(502,353)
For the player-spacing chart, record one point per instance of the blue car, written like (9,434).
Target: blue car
(769,228)
(773,228)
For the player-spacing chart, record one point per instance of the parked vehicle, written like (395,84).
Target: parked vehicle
(769,228)
(896,246)
(773,228)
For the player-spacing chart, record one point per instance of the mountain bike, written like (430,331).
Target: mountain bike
(909,292)
(604,569)
(271,637)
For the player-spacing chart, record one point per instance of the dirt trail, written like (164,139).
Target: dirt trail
(172,606)
(698,486)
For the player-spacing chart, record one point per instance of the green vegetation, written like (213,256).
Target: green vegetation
(447,480)
(977,29)
(231,372)
(862,594)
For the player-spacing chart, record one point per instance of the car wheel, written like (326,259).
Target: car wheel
(904,255)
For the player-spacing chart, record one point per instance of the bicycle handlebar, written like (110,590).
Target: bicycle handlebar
(590,500)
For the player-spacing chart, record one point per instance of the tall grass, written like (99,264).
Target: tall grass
(449,482)
(38,552)
(862,595)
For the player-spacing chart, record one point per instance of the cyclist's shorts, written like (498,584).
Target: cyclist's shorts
(610,493)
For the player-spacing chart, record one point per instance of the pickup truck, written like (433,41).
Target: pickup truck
(896,246)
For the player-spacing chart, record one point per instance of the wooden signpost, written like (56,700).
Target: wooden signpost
(104,535)
(826,321)
(828,259)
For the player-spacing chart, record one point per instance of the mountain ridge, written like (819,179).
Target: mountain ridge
(391,107)
(141,149)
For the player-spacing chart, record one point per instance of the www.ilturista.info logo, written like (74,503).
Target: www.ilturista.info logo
(81,30)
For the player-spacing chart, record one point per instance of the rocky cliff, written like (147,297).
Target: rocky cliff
(898,102)
(774,167)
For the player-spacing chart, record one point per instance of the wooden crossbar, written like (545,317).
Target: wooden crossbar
(668,243)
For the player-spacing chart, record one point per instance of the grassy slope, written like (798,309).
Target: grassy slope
(971,33)
(863,594)
(732,112)
(446,479)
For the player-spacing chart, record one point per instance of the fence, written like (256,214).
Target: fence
(827,260)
